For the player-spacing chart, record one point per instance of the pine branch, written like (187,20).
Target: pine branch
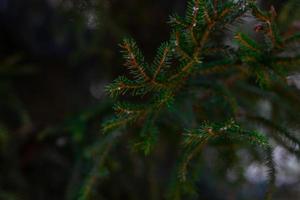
(191,55)
(247,43)
(134,60)
(284,134)
(162,60)
(271,173)
(123,85)
(195,13)
(115,123)
(197,138)
(270,27)
(103,149)
(177,22)
(148,138)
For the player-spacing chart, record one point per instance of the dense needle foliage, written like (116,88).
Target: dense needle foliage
(204,85)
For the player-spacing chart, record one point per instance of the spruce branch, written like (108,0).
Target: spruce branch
(197,138)
(115,123)
(134,60)
(271,173)
(195,13)
(162,60)
(269,28)
(122,85)
(281,134)
(192,56)
(148,137)
(247,43)
(103,149)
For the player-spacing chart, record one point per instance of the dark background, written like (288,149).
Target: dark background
(56,56)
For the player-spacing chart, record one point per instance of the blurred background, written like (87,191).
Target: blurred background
(56,56)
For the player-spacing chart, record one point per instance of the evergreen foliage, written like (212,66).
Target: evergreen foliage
(193,63)
(213,113)
(219,79)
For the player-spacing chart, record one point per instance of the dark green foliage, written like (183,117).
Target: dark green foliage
(195,140)
(213,75)
(218,96)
